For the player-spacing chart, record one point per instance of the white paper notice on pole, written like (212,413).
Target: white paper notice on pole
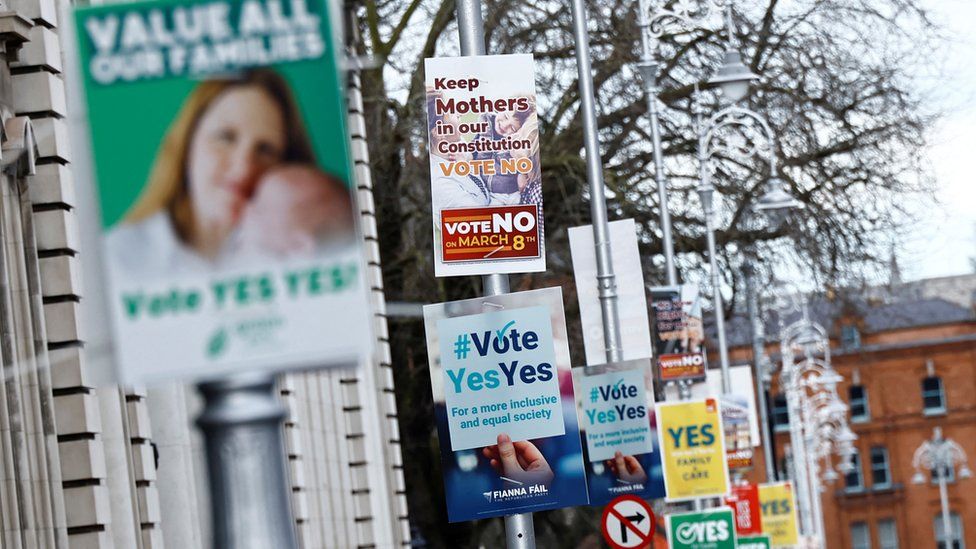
(485,178)
(743,391)
(635,331)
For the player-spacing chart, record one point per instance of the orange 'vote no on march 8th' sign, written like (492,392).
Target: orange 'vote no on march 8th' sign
(485,233)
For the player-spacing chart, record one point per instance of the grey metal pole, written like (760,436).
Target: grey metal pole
(944,499)
(662,185)
(816,502)
(242,428)
(648,69)
(723,352)
(519,529)
(706,191)
(758,352)
(800,477)
(606,280)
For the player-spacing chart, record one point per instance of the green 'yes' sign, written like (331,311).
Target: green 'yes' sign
(712,529)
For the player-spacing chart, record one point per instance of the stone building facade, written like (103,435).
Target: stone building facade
(907,353)
(88,465)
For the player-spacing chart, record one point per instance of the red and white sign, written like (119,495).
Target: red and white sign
(628,522)
(676,367)
(744,501)
(470,234)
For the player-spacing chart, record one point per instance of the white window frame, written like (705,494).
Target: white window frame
(866,417)
(887,467)
(941,409)
(857,527)
(859,470)
(888,533)
(957,528)
(848,342)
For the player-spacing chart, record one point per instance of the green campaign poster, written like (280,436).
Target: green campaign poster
(710,529)
(222,169)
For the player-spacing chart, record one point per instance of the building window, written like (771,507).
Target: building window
(860,536)
(956,540)
(949,472)
(858,397)
(880,472)
(933,397)
(888,533)
(781,414)
(850,337)
(854,480)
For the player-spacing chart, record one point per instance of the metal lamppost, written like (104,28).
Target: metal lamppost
(752,137)
(775,204)
(798,336)
(818,417)
(824,420)
(940,456)
(733,78)
(519,528)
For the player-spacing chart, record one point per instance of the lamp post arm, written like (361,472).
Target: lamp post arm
(744,119)
(686,13)
(923,457)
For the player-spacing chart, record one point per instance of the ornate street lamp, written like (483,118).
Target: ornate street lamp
(733,132)
(818,417)
(940,456)
(733,78)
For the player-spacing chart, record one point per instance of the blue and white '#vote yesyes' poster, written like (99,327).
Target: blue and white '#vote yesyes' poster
(617,426)
(504,406)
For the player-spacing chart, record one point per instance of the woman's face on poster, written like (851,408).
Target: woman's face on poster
(238,137)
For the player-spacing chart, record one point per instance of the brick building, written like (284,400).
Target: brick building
(907,353)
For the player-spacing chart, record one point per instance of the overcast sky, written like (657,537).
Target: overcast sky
(946,237)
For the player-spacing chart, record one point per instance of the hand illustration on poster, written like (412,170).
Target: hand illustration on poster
(519,461)
(229,229)
(617,425)
(486,182)
(504,404)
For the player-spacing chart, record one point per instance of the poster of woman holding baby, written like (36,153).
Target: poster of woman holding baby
(235,180)
(230,236)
